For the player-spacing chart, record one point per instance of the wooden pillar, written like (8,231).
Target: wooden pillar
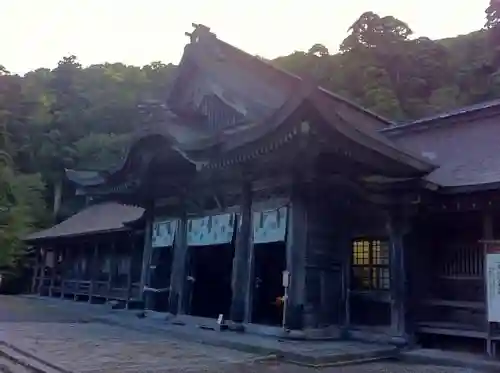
(146,253)
(94,270)
(36,270)
(241,267)
(178,272)
(296,256)
(112,261)
(488,235)
(78,275)
(53,269)
(64,265)
(397,227)
(129,270)
(41,278)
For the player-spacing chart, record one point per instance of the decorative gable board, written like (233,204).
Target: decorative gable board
(211,230)
(163,233)
(270,226)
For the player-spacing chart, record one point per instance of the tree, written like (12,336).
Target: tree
(372,31)
(493,15)
(100,151)
(21,208)
(318,50)
(492,27)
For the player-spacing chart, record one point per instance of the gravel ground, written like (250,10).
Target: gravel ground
(57,335)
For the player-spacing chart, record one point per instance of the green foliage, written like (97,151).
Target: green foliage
(383,69)
(22,209)
(82,117)
(100,151)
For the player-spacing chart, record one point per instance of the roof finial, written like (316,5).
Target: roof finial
(198,32)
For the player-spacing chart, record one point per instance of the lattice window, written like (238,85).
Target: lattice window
(370,265)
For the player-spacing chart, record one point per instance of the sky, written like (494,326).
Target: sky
(38,33)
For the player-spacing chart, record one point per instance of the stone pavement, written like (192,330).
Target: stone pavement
(67,341)
(312,353)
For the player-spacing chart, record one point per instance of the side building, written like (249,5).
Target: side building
(288,209)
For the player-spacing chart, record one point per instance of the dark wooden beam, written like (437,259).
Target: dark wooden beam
(129,269)
(178,291)
(296,246)
(112,264)
(146,253)
(41,278)
(36,270)
(243,244)
(94,270)
(397,228)
(53,269)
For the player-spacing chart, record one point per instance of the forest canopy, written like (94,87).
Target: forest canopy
(81,117)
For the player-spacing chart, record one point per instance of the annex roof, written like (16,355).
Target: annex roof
(99,218)
(464,144)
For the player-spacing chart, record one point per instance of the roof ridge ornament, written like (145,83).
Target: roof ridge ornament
(200,31)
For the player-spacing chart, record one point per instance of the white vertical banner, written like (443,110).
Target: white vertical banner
(163,233)
(270,226)
(492,276)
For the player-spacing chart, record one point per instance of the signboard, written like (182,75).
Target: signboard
(286,279)
(493,284)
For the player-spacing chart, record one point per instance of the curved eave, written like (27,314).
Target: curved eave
(255,142)
(371,140)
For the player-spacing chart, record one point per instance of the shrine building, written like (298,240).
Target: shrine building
(255,194)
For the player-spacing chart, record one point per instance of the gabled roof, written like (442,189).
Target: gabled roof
(251,85)
(223,99)
(99,218)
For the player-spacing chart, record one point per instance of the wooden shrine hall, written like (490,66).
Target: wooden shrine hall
(288,209)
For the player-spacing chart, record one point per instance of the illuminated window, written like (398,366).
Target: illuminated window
(370,265)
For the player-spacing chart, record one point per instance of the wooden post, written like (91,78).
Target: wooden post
(93,271)
(53,270)
(42,272)
(36,270)
(78,276)
(178,273)
(112,261)
(146,253)
(240,273)
(397,227)
(129,271)
(63,269)
(487,222)
(296,246)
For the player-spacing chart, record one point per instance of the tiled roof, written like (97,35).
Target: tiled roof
(468,152)
(99,218)
(452,114)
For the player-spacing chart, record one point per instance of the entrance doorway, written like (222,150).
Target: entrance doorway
(210,276)
(159,280)
(269,264)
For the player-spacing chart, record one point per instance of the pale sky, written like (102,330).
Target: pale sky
(38,33)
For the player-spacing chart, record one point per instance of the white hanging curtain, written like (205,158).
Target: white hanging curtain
(163,233)
(211,230)
(270,226)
